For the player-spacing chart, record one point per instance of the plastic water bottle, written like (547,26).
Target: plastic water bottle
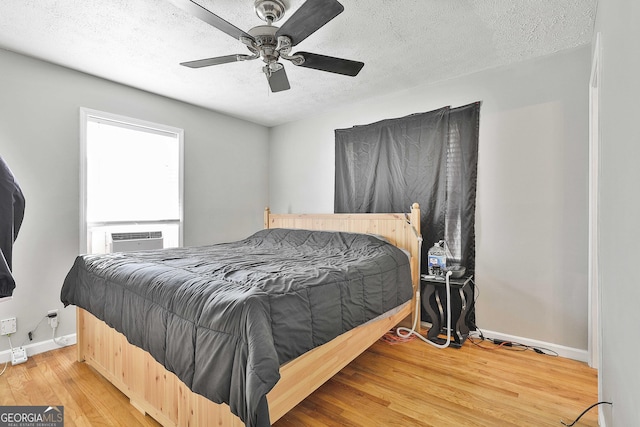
(437,259)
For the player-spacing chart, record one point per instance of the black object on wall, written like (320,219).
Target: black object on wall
(11,214)
(430,158)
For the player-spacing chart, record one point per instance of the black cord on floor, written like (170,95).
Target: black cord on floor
(584,412)
(509,345)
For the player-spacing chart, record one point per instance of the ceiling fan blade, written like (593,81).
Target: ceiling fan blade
(309,17)
(278,81)
(216,61)
(330,64)
(210,18)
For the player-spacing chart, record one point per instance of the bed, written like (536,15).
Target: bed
(165,382)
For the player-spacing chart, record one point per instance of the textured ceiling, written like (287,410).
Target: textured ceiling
(403,43)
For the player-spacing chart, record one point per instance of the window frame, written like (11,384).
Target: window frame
(87,114)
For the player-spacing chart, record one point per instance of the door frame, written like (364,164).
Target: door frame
(595,330)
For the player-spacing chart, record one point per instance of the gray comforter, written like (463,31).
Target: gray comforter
(224,317)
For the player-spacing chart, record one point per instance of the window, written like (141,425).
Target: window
(131,182)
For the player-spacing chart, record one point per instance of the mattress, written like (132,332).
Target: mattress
(224,317)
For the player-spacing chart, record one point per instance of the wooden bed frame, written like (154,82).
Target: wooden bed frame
(159,393)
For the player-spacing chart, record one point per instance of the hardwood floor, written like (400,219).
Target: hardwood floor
(415,384)
(410,384)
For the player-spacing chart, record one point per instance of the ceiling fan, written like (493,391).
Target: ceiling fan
(271,43)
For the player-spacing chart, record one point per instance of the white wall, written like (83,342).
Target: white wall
(617,21)
(225,185)
(531,217)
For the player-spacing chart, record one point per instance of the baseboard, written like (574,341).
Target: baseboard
(601,420)
(41,347)
(563,351)
(567,352)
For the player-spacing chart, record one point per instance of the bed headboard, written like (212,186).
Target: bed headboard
(401,229)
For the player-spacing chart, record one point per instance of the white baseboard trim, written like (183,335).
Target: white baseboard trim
(601,421)
(41,347)
(563,351)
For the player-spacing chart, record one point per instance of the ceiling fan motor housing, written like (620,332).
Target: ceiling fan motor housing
(269,10)
(266,42)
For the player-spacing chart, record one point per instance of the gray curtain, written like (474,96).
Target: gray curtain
(429,158)
(462,173)
(11,215)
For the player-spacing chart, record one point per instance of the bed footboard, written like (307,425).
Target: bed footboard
(159,393)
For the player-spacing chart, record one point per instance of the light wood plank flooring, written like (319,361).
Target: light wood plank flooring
(410,384)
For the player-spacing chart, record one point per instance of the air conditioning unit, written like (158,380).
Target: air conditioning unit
(136,241)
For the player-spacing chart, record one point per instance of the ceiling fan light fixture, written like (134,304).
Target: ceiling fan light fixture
(269,10)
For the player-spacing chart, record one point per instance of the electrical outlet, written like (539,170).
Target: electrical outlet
(53,318)
(8,326)
(18,355)
(53,322)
